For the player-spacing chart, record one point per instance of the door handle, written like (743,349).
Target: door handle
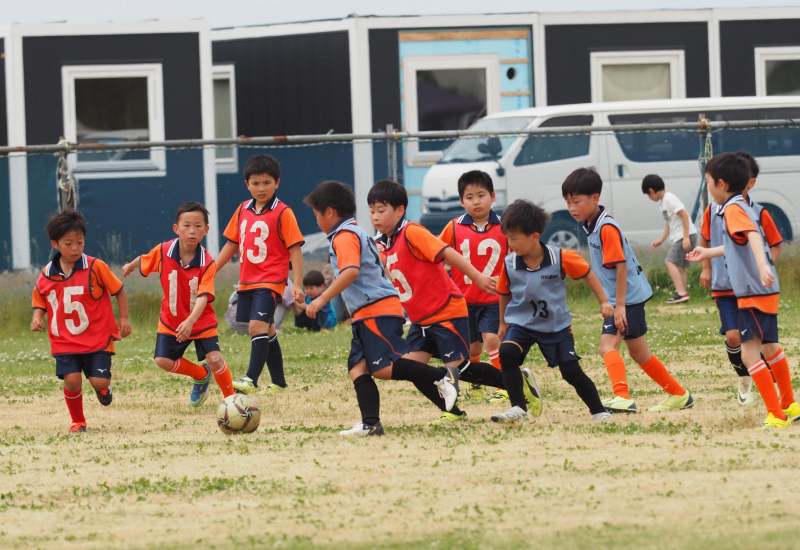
(621,170)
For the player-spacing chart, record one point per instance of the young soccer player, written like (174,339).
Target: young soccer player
(533,309)
(325,320)
(478,237)
(187,271)
(626,286)
(377,347)
(74,291)
(755,285)
(264,231)
(434,304)
(715,277)
(680,230)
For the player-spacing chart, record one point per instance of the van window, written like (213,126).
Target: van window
(466,149)
(759,142)
(539,149)
(657,146)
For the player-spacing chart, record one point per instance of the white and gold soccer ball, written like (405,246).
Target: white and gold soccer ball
(238,413)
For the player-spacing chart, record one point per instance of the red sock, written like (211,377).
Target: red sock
(780,371)
(224,380)
(494,357)
(760,375)
(187,368)
(656,370)
(75,405)
(475,358)
(616,372)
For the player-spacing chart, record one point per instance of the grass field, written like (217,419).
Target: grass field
(152,472)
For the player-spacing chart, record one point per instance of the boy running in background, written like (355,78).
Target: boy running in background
(434,304)
(264,232)
(75,290)
(626,286)
(715,277)
(533,309)
(755,284)
(187,271)
(680,230)
(325,320)
(377,347)
(478,237)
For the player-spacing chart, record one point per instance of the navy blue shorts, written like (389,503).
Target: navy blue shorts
(557,347)
(637,324)
(755,324)
(728,309)
(95,365)
(256,305)
(169,347)
(483,318)
(379,341)
(445,340)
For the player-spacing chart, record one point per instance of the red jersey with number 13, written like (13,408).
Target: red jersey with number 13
(485,250)
(263,256)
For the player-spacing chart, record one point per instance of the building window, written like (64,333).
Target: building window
(448,92)
(114,104)
(623,76)
(225,116)
(778,71)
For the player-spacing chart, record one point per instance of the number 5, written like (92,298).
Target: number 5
(69,307)
(398,277)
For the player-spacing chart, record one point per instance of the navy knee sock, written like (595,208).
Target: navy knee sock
(259,350)
(369,399)
(275,362)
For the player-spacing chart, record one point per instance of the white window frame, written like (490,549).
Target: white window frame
(228,165)
(157,165)
(762,55)
(675,58)
(411,64)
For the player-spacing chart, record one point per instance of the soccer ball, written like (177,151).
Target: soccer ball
(238,413)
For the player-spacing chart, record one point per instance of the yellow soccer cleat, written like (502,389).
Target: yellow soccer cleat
(675,403)
(621,405)
(275,388)
(245,385)
(532,396)
(500,396)
(792,412)
(476,392)
(771,423)
(448,417)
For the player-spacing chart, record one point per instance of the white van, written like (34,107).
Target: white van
(534,167)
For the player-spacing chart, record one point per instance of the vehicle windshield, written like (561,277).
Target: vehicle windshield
(466,149)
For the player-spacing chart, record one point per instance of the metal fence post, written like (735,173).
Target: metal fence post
(391,151)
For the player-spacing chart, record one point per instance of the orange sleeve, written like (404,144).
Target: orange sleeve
(206,286)
(150,262)
(106,278)
(423,241)
(612,246)
(705,229)
(347,246)
(770,229)
(502,281)
(738,223)
(574,265)
(37,300)
(289,230)
(448,235)
(232,230)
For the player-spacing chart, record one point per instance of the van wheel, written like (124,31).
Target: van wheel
(781,221)
(564,234)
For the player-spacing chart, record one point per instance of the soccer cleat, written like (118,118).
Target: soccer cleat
(621,405)
(500,396)
(601,417)
(514,414)
(475,391)
(677,298)
(364,430)
(200,389)
(77,427)
(104,396)
(792,412)
(771,423)
(448,417)
(275,388)
(745,390)
(245,385)
(675,403)
(448,388)
(532,396)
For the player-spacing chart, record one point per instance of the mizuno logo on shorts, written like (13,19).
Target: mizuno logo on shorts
(449,354)
(262,314)
(607,326)
(745,330)
(378,362)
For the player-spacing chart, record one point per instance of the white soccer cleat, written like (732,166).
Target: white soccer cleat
(745,390)
(448,388)
(514,414)
(363,430)
(601,417)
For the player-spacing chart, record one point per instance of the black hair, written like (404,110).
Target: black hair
(191,206)
(63,223)
(475,177)
(313,278)
(730,168)
(754,168)
(388,192)
(332,194)
(652,181)
(583,181)
(262,164)
(524,217)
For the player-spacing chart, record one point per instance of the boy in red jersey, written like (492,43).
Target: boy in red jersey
(264,232)
(478,237)
(187,273)
(434,304)
(74,291)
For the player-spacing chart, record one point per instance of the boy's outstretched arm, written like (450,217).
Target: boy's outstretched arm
(606,309)
(226,254)
(700,253)
(485,283)
(124,325)
(345,279)
(128,268)
(296,256)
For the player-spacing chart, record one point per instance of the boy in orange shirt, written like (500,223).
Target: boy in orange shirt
(74,291)
(264,232)
(187,273)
